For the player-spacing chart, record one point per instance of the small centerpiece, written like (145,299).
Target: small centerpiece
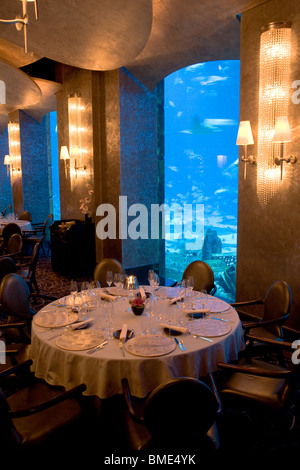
(137,305)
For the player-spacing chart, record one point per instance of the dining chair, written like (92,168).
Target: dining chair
(27,269)
(15,301)
(39,417)
(178,414)
(265,391)
(25,216)
(203,276)
(9,230)
(7,265)
(14,247)
(107,264)
(40,233)
(275,311)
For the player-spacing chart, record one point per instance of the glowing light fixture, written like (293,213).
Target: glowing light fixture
(274,85)
(64,155)
(75,109)
(14,147)
(282,135)
(245,138)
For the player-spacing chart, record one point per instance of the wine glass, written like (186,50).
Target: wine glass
(109,278)
(204,298)
(151,275)
(73,290)
(118,280)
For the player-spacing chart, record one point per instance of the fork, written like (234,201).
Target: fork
(96,348)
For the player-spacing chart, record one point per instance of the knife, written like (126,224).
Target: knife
(220,319)
(180,344)
(121,344)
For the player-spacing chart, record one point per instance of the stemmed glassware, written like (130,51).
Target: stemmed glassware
(109,278)
(118,280)
(73,291)
(132,285)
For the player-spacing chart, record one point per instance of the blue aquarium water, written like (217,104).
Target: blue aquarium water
(201,167)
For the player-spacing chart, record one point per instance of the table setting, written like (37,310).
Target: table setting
(96,329)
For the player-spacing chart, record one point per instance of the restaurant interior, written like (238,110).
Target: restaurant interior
(101,67)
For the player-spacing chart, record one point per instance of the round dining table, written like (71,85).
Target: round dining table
(164,342)
(24,225)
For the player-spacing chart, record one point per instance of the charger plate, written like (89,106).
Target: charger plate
(79,340)
(55,319)
(150,345)
(208,327)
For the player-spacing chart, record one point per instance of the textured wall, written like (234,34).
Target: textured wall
(73,188)
(139,164)
(268,242)
(35,176)
(5,186)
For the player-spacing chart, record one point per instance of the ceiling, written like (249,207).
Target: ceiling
(151,38)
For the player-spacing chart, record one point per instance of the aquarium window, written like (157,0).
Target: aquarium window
(201,169)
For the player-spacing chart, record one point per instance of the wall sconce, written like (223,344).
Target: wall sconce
(64,155)
(22,21)
(76,130)
(14,147)
(282,135)
(7,163)
(245,138)
(274,95)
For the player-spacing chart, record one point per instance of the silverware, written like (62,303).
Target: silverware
(96,348)
(180,344)
(202,337)
(220,319)
(121,344)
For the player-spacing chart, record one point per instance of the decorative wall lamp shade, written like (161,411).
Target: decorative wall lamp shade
(22,21)
(282,135)
(7,163)
(245,138)
(64,155)
(274,96)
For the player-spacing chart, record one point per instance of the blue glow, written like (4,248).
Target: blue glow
(201,161)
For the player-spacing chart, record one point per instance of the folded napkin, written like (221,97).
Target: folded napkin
(123,333)
(180,329)
(142,292)
(107,296)
(199,310)
(81,324)
(176,299)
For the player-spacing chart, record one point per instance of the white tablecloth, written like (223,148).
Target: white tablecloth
(24,225)
(102,371)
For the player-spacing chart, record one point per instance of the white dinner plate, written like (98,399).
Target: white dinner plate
(55,319)
(150,345)
(208,327)
(79,340)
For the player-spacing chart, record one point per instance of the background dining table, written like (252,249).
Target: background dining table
(24,225)
(151,356)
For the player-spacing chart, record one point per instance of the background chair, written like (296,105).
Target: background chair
(7,265)
(263,392)
(8,230)
(14,247)
(107,264)
(39,417)
(25,216)
(40,233)
(203,276)
(275,311)
(27,269)
(178,414)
